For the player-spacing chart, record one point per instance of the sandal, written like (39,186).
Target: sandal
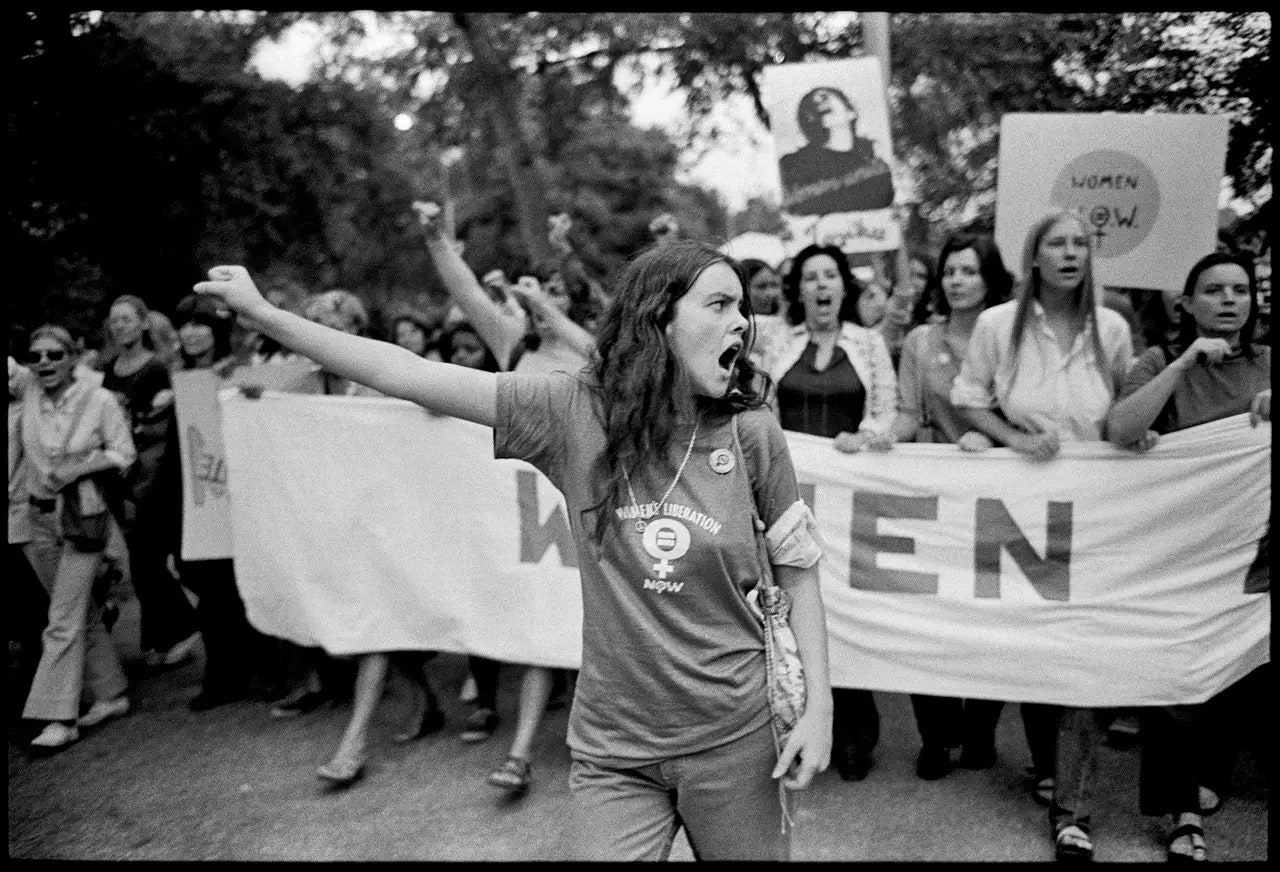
(1072,843)
(1210,802)
(1199,853)
(1042,790)
(515,775)
(342,771)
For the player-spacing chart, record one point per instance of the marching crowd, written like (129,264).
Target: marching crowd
(957,350)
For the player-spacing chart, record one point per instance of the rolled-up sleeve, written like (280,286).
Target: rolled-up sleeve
(974,387)
(1117,344)
(794,540)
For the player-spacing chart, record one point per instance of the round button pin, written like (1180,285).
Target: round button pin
(722,460)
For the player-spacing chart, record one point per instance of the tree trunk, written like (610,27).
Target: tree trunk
(502,102)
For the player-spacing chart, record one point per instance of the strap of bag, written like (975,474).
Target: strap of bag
(762,549)
(766,580)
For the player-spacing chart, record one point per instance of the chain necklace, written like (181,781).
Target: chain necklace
(688,452)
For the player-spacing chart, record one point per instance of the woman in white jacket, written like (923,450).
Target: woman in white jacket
(834,378)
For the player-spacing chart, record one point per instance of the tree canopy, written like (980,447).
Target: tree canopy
(144,148)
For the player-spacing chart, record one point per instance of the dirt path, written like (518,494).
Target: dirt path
(232,784)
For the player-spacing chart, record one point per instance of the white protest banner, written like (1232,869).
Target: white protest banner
(831,129)
(206,511)
(1147,186)
(1100,578)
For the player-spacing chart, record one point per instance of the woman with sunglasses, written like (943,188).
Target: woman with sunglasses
(71,433)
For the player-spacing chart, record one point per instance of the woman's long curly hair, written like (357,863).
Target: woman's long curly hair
(644,389)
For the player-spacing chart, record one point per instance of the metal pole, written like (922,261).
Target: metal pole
(875,34)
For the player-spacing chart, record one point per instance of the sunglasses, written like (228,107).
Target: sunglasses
(54,355)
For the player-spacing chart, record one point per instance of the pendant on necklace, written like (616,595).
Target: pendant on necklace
(640,525)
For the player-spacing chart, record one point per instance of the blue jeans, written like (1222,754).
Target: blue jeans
(723,797)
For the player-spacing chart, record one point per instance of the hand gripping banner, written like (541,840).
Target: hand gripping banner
(1100,578)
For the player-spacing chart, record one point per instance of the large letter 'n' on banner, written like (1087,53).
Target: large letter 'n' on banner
(535,536)
(996,531)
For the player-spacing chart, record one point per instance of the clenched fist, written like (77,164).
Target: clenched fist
(233,287)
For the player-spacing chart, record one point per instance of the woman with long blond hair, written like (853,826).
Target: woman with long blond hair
(1051,361)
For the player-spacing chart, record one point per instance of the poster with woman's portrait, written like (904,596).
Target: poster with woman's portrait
(831,130)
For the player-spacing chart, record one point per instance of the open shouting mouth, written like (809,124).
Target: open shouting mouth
(729,357)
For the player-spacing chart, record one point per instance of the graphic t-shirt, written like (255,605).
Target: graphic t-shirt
(672,654)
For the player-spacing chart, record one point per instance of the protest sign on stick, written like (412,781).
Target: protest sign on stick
(830,126)
(1146,185)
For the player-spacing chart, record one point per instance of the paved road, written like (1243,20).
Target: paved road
(231,784)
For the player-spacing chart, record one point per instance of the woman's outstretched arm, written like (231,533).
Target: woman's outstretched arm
(465,393)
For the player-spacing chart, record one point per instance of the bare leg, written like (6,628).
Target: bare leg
(425,716)
(370,681)
(535,690)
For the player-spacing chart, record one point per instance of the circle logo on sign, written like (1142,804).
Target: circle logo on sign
(666,539)
(1115,193)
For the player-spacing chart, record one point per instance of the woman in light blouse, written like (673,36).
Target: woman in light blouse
(71,430)
(1052,361)
(971,278)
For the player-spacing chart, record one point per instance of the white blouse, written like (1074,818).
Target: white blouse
(1043,389)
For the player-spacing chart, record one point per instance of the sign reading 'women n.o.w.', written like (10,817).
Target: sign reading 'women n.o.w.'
(1147,187)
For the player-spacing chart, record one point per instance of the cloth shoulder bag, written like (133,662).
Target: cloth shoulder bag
(784,673)
(83,517)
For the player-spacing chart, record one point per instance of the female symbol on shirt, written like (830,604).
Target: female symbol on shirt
(667,540)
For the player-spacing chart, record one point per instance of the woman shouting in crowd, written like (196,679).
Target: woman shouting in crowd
(835,379)
(73,435)
(670,724)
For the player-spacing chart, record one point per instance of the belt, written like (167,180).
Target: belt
(43,505)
